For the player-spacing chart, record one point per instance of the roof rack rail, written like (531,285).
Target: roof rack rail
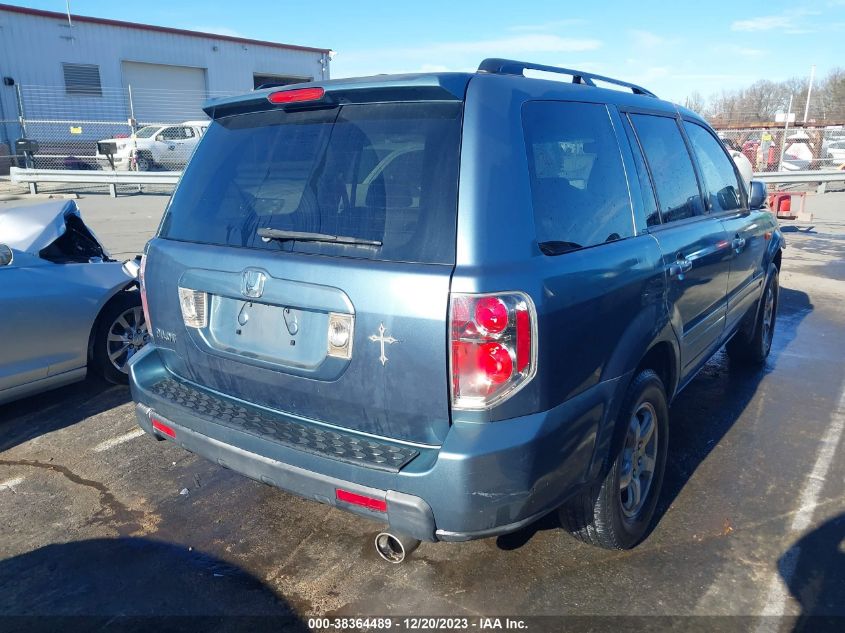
(497,66)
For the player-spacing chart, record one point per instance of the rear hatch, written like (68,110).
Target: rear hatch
(292,228)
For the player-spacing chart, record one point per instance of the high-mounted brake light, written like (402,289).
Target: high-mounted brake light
(493,341)
(371,503)
(296,96)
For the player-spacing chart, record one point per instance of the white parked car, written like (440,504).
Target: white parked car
(835,153)
(154,146)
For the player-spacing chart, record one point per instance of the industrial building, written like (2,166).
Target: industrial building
(67,74)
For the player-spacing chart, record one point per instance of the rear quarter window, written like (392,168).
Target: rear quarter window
(578,186)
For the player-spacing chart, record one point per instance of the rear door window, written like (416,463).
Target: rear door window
(717,169)
(578,186)
(382,172)
(670,165)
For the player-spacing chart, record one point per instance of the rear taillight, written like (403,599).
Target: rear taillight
(142,287)
(493,340)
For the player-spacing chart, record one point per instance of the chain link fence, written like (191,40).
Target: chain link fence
(794,148)
(147,129)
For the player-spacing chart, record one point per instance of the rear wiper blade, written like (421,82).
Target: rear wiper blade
(305,236)
(558,247)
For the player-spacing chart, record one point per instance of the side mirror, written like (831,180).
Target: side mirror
(6,255)
(757,198)
(160,138)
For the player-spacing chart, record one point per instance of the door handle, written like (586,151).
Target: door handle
(738,243)
(682,265)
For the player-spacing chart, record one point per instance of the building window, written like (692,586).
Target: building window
(82,79)
(267,81)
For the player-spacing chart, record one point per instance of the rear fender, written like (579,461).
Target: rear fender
(631,351)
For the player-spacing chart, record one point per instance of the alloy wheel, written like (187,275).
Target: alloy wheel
(127,334)
(639,457)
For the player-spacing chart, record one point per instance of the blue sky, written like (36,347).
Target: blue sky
(670,47)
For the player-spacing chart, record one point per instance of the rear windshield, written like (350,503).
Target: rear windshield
(380,172)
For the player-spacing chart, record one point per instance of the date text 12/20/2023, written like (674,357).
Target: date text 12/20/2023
(416,623)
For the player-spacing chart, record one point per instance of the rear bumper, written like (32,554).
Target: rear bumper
(486,479)
(122,162)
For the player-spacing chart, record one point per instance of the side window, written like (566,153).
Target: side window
(186,132)
(671,167)
(578,187)
(717,170)
(652,215)
(170,134)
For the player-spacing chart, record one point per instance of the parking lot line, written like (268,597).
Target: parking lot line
(120,439)
(776,598)
(11,483)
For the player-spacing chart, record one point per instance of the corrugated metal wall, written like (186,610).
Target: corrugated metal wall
(33,48)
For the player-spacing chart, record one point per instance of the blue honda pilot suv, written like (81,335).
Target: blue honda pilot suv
(452,302)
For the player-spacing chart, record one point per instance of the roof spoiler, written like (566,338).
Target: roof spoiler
(416,87)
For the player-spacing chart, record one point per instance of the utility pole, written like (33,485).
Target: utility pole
(809,92)
(785,130)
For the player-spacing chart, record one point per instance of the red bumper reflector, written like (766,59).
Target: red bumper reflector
(379,505)
(158,425)
(296,96)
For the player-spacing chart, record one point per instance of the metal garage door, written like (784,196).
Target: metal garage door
(165,94)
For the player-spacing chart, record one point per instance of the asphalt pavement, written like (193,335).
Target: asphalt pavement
(97,519)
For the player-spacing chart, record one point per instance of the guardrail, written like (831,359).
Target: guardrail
(83,176)
(114,178)
(822,176)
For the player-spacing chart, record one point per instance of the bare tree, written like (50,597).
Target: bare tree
(762,100)
(695,102)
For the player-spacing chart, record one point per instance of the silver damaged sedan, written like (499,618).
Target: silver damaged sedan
(65,305)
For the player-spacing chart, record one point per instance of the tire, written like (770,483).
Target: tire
(608,514)
(144,162)
(753,348)
(119,333)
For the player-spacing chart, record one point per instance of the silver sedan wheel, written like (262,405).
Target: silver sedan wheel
(639,457)
(127,334)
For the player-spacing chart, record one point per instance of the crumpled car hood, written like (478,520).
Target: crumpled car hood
(33,228)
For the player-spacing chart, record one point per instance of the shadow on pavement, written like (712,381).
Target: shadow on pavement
(23,420)
(703,413)
(712,403)
(135,584)
(814,571)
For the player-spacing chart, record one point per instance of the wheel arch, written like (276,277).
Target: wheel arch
(662,355)
(663,358)
(115,292)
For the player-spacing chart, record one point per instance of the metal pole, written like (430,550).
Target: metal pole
(809,92)
(21,116)
(785,129)
(131,108)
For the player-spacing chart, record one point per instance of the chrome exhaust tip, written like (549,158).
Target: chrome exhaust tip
(394,548)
